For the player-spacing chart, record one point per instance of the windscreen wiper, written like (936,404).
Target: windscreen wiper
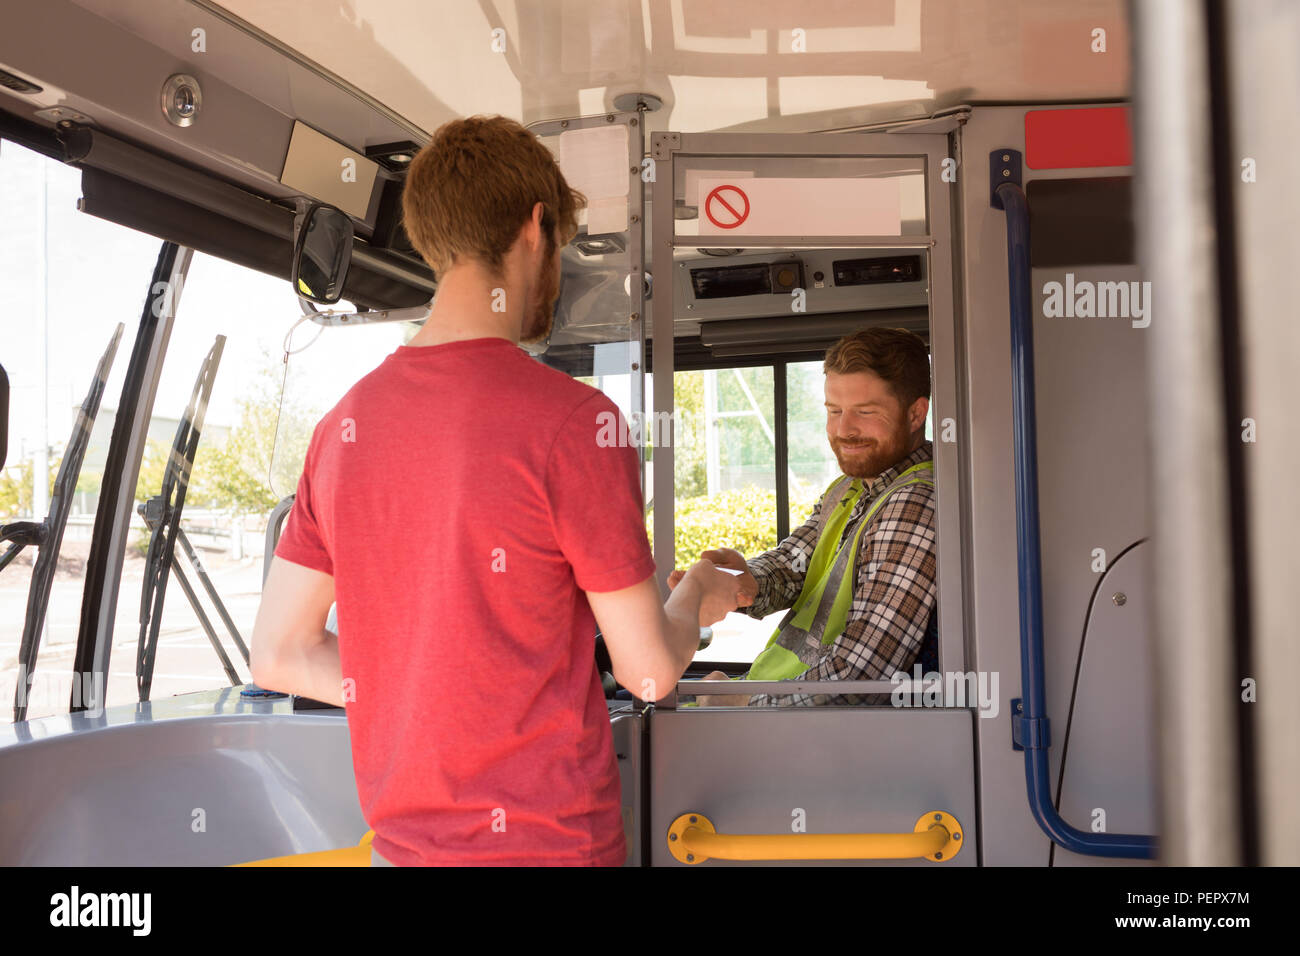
(47,535)
(162,515)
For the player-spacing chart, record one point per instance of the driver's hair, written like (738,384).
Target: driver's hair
(473,187)
(899,357)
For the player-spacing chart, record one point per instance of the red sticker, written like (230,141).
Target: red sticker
(720,207)
(1078,138)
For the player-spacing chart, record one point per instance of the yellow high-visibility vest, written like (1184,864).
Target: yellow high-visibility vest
(821,611)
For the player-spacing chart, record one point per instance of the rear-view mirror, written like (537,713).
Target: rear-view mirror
(322,252)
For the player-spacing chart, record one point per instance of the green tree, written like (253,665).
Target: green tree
(16,490)
(258,463)
(690,474)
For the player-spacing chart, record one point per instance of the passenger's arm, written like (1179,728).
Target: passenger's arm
(291,651)
(650,643)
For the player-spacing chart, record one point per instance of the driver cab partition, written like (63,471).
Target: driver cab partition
(776,246)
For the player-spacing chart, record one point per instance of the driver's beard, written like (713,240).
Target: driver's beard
(538,327)
(878,457)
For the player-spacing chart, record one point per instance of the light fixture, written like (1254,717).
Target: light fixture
(395,157)
(182,99)
(600,245)
(12,81)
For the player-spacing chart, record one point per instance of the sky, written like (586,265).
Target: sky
(69,278)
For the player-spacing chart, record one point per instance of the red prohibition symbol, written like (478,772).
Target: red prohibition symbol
(721,207)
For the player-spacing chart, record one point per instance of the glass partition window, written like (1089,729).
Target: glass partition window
(724,462)
(725,479)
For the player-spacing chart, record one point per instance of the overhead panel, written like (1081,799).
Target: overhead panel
(594,162)
(319,167)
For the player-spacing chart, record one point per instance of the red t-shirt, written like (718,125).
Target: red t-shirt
(463,496)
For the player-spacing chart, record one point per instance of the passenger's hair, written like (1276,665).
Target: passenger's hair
(896,355)
(470,190)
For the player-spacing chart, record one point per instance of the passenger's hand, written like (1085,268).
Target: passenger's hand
(720,592)
(735,561)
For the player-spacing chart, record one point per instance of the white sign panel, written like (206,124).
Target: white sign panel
(800,207)
(594,162)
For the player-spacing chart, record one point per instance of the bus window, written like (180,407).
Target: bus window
(812,463)
(726,480)
(257,424)
(72,279)
(725,477)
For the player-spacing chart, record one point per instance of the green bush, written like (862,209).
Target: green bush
(741,519)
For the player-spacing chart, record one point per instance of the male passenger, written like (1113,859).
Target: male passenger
(458,504)
(859,575)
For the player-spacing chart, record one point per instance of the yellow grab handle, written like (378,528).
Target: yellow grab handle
(358,855)
(693,839)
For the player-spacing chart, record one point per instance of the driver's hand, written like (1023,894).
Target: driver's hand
(722,700)
(720,592)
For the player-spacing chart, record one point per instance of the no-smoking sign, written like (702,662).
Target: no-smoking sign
(732,203)
(727,206)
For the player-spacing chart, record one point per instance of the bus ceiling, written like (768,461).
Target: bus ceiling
(259,101)
(378,82)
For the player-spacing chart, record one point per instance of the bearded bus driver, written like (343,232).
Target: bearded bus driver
(859,576)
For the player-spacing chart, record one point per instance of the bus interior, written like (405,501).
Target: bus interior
(198,282)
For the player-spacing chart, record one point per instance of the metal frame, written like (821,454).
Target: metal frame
(1256,71)
(781,439)
(786,688)
(809,242)
(1201,819)
(273,525)
(122,466)
(667,149)
(635,123)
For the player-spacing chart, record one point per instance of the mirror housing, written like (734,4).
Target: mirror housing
(322,252)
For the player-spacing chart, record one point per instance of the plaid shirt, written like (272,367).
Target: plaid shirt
(895,590)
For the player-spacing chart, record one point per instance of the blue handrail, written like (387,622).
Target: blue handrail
(1029,717)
